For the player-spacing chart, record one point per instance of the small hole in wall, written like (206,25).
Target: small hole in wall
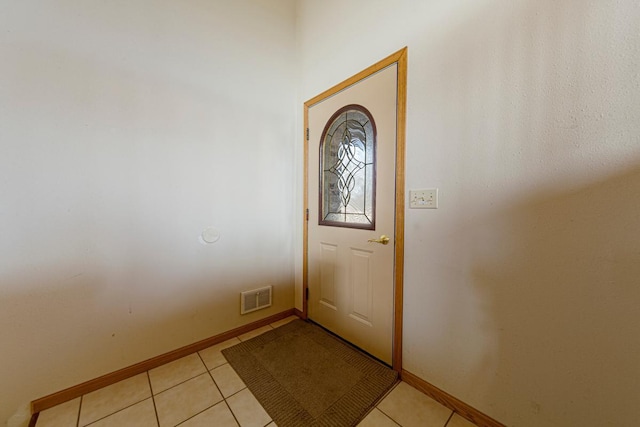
(210,235)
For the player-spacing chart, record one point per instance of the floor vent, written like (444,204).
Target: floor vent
(255,299)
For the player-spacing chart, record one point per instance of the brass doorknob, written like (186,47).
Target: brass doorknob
(382,240)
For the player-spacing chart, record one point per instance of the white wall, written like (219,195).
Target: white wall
(521,290)
(126,128)
(122,125)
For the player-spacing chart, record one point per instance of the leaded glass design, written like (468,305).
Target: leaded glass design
(347,169)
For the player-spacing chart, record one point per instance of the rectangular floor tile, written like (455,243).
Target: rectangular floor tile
(62,415)
(140,415)
(213,357)
(218,415)
(176,372)
(411,408)
(377,419)
(110,399)
(185,400)
(227,380)
(458,421)
(248,410)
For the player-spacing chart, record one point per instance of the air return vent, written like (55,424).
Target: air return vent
(255,299)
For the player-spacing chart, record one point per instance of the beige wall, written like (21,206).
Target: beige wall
(122,125)
(522,289)
(126,128)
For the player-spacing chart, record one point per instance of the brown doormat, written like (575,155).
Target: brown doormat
(304,376)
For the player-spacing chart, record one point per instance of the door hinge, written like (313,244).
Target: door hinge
(307,214)
(306,296)
(307,134)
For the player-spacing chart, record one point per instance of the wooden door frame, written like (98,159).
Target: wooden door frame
(399,58)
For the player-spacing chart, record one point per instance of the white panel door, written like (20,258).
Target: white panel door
(350,279)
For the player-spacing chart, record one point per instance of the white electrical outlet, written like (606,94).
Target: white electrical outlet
(423,199)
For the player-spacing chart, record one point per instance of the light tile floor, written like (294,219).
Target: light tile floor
(202,389)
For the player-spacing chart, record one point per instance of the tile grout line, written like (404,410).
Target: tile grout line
(449,419)
(392,420)
(224,399)
(155,410)
(183,382)
(215,385)
(207,371)
(243,389)
(383,398)
(79,410)
(240,391)
(210,375)
(118,411)
(232,413)
(389,416)
(195,415)
(176,385)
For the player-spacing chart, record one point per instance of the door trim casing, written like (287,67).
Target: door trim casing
(399,58)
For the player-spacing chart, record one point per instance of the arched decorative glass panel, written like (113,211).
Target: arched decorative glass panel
(348,169)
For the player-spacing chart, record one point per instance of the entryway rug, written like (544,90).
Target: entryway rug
(304,376)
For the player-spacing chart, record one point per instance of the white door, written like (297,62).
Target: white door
(351,280)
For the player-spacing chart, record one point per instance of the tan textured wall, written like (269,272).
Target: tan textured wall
(126,129)
(521,290)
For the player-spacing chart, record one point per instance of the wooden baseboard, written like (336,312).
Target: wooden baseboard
(299,314)
(114,377)
(34,419)
(456,405)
